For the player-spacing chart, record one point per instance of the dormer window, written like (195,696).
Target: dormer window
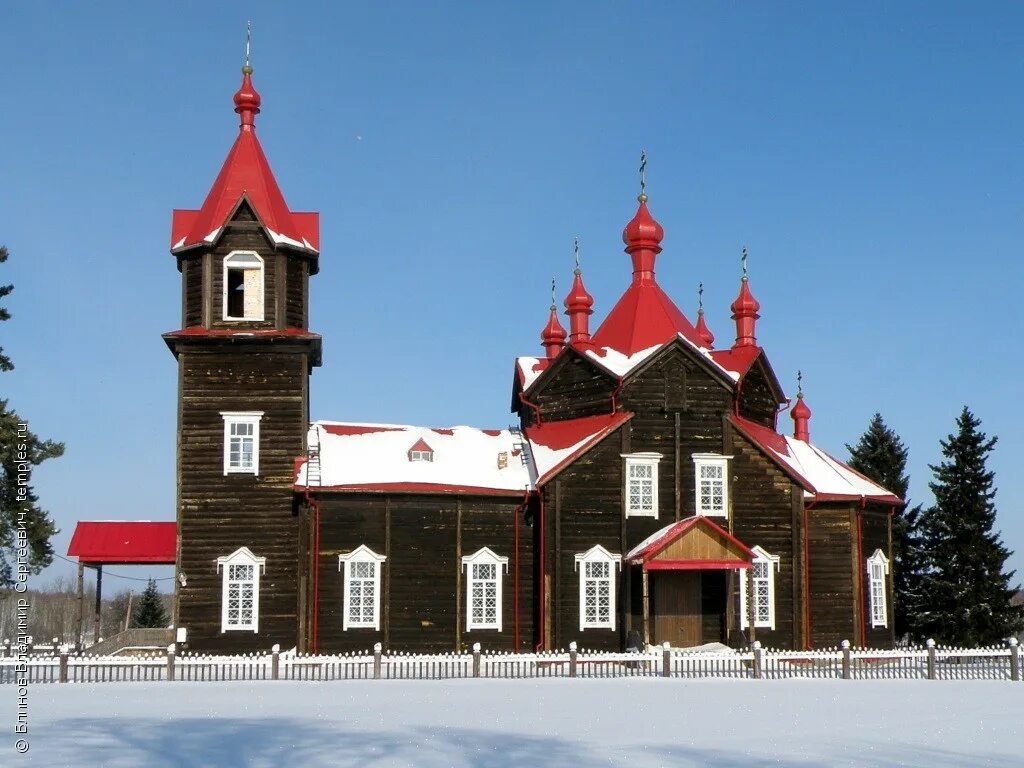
(243,286)
(421,451)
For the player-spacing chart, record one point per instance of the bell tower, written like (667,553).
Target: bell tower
(244,352)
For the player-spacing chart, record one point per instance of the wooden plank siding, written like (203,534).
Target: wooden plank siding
(831,544)
(875,524)
(219,513)
(757,400)
(192,287)
(762,515)
(574,387)
(423,588)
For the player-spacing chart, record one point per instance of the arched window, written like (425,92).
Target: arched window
(243,286)
(877,568)
(483,589)
(240,590)
(597,567)
(361,569)
(765,565)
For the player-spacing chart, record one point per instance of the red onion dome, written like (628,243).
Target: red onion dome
(247,99)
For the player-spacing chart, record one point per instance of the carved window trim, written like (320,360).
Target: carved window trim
(640,479)
(251,265)
(711,481)
(597,585)
(241,428)
(484,570)
(241,583)
(361,568)
(877,567)
(765,566)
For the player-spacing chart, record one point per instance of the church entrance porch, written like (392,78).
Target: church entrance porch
(684,572)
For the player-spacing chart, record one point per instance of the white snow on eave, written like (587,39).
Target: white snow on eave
(825,474)
(734,375)
(658,534)
(279,239)
(527,373)
(467,457)
(213,235)
(621,364)
(178,244)
(546,459)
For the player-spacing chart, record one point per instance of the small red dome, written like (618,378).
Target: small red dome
(643,231)
(552,338)
(800,410)
(247,99)
(801,416)
(578,299)
(704,333)
(745,305)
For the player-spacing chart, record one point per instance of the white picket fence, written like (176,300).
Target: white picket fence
(843,662)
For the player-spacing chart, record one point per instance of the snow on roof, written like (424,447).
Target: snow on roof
(553,444)
(375,457)
(820,474)
(529,368)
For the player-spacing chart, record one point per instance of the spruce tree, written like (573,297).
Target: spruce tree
(150,611)
(22,521)
(881,456)
(965,597)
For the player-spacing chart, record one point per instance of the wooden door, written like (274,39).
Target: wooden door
(677,608)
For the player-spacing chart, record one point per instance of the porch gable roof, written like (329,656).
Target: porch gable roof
(696,543)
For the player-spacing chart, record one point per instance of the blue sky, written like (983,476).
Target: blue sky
(869,157)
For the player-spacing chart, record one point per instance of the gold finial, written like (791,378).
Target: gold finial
(553,294)
(700,299)
(576,253)
(643,176)
(743,261)
(799,384)
(247,69)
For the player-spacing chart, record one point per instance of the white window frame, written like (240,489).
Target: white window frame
(421,456)
(232,418)
(710,460)
(484,556)
(241,556)
(598,554)
(878,602)
(771,565)
(245,264)
(641,460)
(361,554)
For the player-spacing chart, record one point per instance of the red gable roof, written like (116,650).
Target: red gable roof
(122,541)
(660,539)
(554,444)
(245,175)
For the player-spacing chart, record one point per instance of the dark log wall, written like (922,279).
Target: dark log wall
(574,388)
(219,513)
(192,283)
(757,400)
(424,537)
(583,507)
(832,554)
(875,524)
(763,515)
(295,292)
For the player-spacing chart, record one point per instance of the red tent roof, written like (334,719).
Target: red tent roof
(131,542)
(246,174)
(643,318)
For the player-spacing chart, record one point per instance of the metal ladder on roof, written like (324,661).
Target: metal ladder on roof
(313,459)
(520,445)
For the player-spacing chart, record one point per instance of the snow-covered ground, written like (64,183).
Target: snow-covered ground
(580,723)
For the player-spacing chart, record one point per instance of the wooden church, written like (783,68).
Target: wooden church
(648,495)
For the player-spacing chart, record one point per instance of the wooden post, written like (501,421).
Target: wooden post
(170,662)
(1014,659)
(97,630)
(847,660)
(931,658)
(7,648)
(666,659)
(376,660)
(275,662)
(80,640)
(758,659)
(572,659)
(476,659)
(647,610)
(64,664)
(128,613)
(749,576)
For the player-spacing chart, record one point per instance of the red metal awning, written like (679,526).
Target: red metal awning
(128,542)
